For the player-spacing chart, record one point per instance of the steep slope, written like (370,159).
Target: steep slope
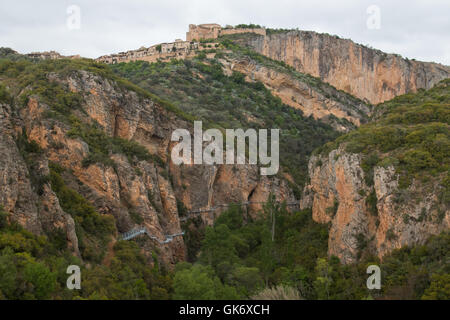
(88,158)
(298,90)
(361,71)
(237,88)
(386,185)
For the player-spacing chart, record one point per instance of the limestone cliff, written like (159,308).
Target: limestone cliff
(36,210)
(300,91)
(361,71)
(338,195)
(148,190)
(386,184)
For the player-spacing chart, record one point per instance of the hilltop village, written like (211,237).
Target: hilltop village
(180,49)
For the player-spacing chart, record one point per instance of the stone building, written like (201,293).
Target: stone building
(203,31)
(177,46)
(50,55)
(45,55)
(213,31)
(179,49)
(164,51)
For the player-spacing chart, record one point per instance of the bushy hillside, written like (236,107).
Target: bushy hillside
(386,184)
(33,264)
(242,260)
(411,133)
(200,88)
(72,181)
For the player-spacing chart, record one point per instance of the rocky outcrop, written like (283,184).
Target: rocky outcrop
(36,210)
(299,91)
(16,194)
(370,219)
(147,189)
(361,71)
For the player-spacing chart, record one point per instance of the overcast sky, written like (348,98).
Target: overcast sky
(417,29)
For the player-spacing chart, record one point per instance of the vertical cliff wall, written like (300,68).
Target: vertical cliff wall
(370,219)
(386,184)
(136,192)
(361,71)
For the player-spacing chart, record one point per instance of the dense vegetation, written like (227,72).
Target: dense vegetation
(279,254)
(199,87)
(235,50)
(19,74)
(34,267)
(240,260)
(93,230)
(22,78)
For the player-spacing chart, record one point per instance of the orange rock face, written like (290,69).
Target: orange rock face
(146,189)
(337,194)
(319,100)
(363,72)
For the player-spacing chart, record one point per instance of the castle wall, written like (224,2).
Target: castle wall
(242,30)
(203,31)
(213,31)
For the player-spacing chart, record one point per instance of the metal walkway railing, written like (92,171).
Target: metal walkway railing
(191,214)
(143,230)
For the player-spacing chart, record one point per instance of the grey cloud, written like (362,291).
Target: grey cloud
(415,29)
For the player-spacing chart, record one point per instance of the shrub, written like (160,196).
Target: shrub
(278,293)
(5,95)
(333,210)
(415,160)
(372,203)
(368,164)
(88,221)
(3,218)
(199,283)
(136,217)
(439,288)
(390,235)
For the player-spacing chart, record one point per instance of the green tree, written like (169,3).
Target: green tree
(248,279)
(3,218)
(218,246)
(323,279)
(42,281)
(439,288)
(199,283)
(8,274)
